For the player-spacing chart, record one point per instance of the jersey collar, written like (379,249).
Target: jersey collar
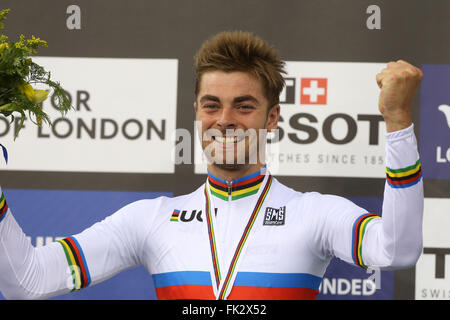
(236,189)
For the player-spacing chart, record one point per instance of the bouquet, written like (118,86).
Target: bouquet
(18,74)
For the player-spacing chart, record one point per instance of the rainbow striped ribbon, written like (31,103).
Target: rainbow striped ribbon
(215,260)
(212,237)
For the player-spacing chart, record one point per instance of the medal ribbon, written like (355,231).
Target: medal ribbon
(212,238)
(225,285)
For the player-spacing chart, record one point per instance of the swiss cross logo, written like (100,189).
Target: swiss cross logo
(313,91)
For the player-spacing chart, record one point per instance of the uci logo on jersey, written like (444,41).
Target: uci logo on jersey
(274,217)
(184,216)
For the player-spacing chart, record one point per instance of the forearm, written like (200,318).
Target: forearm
(75,262)
(395,240)
(27,272)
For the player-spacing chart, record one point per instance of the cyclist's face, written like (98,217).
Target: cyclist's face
(234,115)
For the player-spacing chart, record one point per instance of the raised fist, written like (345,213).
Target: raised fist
(398,83)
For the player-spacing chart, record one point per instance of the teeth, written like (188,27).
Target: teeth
(226,139)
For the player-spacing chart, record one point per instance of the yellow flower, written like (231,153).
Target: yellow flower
(35,96)
(3,46)
(39,96)
(27,90)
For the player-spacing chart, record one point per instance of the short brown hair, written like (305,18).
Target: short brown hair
(242,51)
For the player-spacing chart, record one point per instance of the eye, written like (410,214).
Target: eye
(245,107)
(210,107)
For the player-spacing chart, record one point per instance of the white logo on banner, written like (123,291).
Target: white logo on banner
(445,109)
(343,286)
(433,267)
(330,124)
(125,110)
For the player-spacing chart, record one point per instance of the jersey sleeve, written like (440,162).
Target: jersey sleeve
(74,262)
(395,240)
(388,240)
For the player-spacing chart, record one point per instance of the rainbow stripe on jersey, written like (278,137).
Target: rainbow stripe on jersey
(404,177)
(3,207)
(77,263)
(175,215)
(236,189)
(359,228)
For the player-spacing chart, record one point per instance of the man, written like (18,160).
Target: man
(234,251)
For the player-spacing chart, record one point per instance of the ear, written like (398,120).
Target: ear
(195,106)
(272,117)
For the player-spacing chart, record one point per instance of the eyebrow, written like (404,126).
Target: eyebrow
(208,97)
(243,98)
(246,98)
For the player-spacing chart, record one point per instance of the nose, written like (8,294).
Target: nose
(226,119)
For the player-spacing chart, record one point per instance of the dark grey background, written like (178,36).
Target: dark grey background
(319,30)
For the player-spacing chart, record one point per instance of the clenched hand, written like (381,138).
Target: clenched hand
(398,83)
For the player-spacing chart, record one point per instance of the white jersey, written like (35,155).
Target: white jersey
(252,238)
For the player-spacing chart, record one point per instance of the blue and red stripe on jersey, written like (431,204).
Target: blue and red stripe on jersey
(247,285)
